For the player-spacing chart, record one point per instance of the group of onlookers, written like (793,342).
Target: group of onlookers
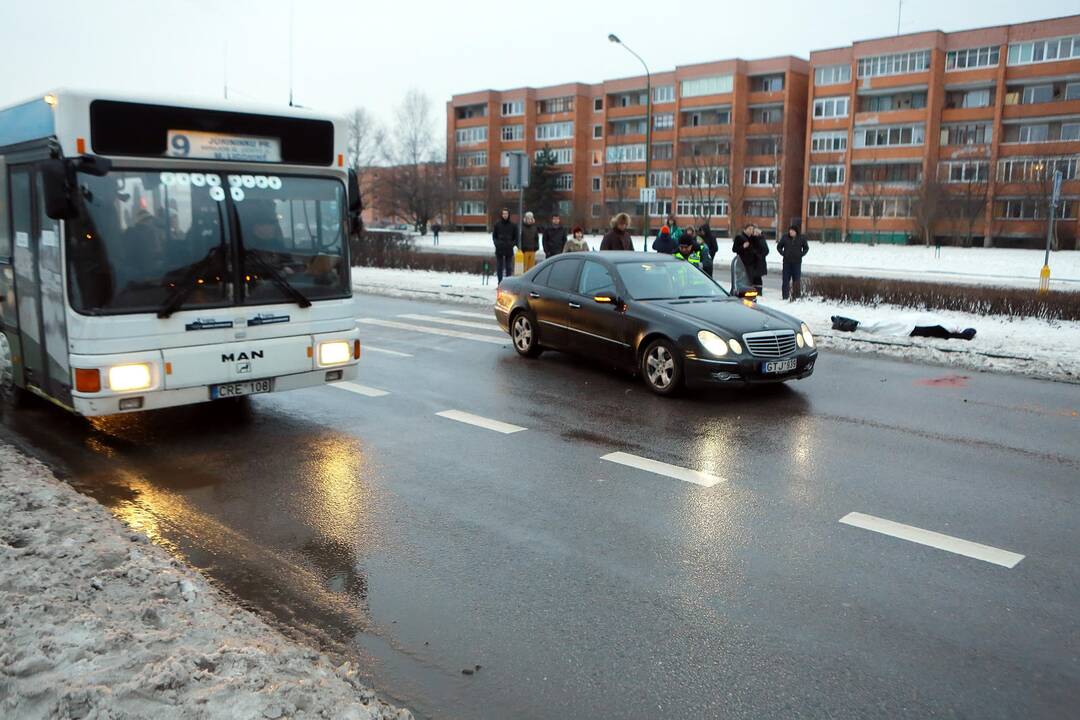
(696,245)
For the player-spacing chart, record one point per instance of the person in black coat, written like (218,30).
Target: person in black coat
(505,237)
(664,243)
(792,247)
(554,237)
(705,234)
(751,248)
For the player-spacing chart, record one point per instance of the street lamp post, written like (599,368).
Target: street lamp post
(648,128)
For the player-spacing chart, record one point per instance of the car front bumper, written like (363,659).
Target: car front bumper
(703,372)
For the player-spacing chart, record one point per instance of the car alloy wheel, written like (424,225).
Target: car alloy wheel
(524,336)
(661,368)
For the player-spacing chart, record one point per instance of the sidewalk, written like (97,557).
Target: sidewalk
(96,622)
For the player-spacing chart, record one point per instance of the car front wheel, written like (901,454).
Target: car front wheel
(523,333)
(661,367)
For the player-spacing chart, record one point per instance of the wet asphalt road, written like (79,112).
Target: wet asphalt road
(587,589)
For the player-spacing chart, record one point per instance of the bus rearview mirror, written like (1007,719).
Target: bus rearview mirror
(54,184)
(93,165)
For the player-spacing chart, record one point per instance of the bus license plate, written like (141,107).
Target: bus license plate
(778,366)
(249,387)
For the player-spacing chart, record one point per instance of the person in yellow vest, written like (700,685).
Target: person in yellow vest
(690,252)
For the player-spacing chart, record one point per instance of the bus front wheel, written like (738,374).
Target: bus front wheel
(11,395)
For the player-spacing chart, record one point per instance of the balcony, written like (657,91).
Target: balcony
(891,117)
(1046,109)
(953,115)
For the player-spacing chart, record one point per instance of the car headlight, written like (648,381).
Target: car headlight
(799,339)
(713,343)
(735,346)
(130,377)
(807,335)
(334,352)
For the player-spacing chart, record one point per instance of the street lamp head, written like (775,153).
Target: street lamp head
(614,38)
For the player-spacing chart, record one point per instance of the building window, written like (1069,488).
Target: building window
(832,74)
(1070,131)
(832,107)
(759,208)
(707,208)
(596,210)
(706,147)
(513,132)
(887,207)
(625,153)
(968,58)
(624,181)
(562,156)
(596,184)
(826,174)
(703,177)
(565,208)
(1022,170)
(889,136)
(893,101)
(471,207)
(513,108)
(767,83)
(471,111)
(1033,94)
(628,127)
(967,134)
(828,141)
(660,208)
(471,136)
(894,64)
(555,131)
(506,185)
(768,145)
(663,94)
(766,114)
(975,98)
(597,132)
(1031,209)
(1049,50)
(597,157)
(630,99)
(1033,133)
(472,183)
(660,179)
(663,151)
(703,117)
(598,104)
(663,121)
(564,181)
(706,86)
(830,207)
(504,158)
(471,159)
(887,173)
(963,171)
(759,176)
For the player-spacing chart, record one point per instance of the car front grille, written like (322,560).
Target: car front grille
(770,343)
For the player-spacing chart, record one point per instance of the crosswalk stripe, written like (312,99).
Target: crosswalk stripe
(477,420)
(933,539)
(384,351)
(462,313)
(359,389)
(661,468)
(433,330)
(451,321)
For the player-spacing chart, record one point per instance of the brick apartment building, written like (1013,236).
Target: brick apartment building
(727,140)
(978,119)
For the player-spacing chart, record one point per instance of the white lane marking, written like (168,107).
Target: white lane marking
(462,313)
(933,539)
(384,351)
(661,468)
(359,389)
(491,327)
(489,424)
(434,330)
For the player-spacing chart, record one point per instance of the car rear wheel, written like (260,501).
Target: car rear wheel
(523,333)
(661,367)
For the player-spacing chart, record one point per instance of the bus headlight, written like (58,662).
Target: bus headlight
(130,377)
(335,352)
(807,335)
(713,343)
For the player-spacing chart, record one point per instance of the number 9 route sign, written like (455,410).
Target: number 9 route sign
(216,146)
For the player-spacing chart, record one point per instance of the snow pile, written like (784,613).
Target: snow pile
(97,623)
(425,285)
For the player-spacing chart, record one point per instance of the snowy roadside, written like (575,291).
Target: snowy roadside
(96,622)
(1037,348)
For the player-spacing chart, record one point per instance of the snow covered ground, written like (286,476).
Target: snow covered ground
(984,266)
(97,623)
(1038,348)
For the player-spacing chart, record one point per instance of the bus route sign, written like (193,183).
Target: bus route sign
(216,146)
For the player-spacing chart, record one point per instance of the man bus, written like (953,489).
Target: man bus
(155,254)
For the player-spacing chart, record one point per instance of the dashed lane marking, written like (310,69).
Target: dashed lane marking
(384,351)
(661,468)
(491,327)
(462,313)
(359,389)
(933,539)
(478,421)
(433,330)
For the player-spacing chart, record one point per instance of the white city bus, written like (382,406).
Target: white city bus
(160,253)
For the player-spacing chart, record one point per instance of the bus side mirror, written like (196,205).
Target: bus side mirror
(54,183)
(92,165)
(354,202)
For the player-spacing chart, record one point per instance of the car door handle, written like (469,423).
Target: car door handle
(574,305)
(534,294)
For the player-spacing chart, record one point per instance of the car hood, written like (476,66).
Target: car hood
(732,315)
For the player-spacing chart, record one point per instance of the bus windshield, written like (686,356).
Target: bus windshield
(150,240)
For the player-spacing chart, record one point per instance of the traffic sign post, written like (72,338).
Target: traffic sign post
(1055,197)
(519,177)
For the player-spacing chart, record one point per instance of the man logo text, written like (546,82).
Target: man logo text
(233,357)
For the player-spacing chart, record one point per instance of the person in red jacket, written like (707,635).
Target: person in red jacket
(618,238)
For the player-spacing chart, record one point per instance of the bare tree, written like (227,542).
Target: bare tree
(822,193)
(416,184)
(735,196)
(365,140)
(1039,192)
(703,180)
(927,205)
(966,204)
(871,189)
(775,187)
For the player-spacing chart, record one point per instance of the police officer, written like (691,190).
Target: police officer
(690,252)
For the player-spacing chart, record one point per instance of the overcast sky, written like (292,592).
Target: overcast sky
(369,53)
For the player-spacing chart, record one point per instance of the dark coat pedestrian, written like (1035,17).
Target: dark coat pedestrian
(751,249)
(530,238)
(792,247)
(505,237)
(554,239)
(618,238)
(664,243)
(709,239)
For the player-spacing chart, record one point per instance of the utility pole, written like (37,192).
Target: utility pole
(1044,274)
(292,12)
(226,69)
(648,131)
(899,8)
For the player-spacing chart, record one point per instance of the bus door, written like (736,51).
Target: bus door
(39,292)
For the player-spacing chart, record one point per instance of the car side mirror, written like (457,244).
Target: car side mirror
(612,300)
(748,294)
(55,188)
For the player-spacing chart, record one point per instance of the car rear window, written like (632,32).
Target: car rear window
(563,274)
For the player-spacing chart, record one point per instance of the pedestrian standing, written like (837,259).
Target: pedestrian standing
(664,242)
(554,237)
(577,242)
(792,247)
(937,246)
(751,249)
(505,237)
(618,237)
(707,237)
(674,229)
(435,228)
(530,242)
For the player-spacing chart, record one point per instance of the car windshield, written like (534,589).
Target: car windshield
(666,281)
(153,239)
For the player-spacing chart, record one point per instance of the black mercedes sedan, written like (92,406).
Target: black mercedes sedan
(655,315)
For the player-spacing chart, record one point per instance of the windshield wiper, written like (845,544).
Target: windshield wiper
(187,285)
(300,298)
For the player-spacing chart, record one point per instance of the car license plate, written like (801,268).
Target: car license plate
(238,389)
(778,366)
